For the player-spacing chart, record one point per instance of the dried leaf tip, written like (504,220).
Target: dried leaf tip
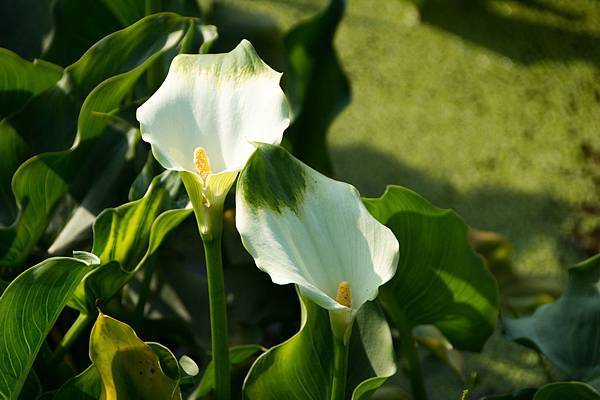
(201,162)
(343,294)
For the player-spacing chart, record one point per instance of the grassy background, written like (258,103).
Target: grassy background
(487,107)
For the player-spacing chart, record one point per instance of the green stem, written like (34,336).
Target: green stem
(211,238)
(411,356)
(340,369)
(82,321)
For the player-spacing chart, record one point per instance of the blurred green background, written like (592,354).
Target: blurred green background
(487,107)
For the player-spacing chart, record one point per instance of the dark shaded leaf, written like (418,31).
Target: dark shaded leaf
(315,84)
(567,331)
(20,80)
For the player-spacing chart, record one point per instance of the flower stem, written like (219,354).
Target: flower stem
(211,239)
(411,357)
(82,321)
(340,369)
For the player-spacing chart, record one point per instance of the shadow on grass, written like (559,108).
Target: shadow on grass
(528,32)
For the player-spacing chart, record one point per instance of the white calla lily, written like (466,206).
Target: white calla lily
(304,228)
(205,116)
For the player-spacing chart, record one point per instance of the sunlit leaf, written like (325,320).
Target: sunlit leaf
(29,308)
(128,367)
(440,280)
(567,331)
(301,367)
(316,85)
(126,236)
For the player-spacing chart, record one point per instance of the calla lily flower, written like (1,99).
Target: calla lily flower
(304,228)
(206,115)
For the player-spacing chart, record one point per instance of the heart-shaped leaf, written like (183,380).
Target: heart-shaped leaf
(29,307)
(88,384)
(127,366)
(567,331)
(302,367)
(440,280)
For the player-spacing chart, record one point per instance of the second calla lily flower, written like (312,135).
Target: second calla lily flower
(210,109)
(304,228)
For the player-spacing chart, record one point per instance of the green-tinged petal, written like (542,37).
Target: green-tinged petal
(220,102)
(304,228)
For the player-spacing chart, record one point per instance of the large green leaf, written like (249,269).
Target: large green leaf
(29,308)
(567,390)
(440,280)
(127,366)
(301,367)
(126,236)
(115,63)
(553,391)
(315,84)
(20,80)
(567,331)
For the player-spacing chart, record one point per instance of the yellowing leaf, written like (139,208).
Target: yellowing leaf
(128,367)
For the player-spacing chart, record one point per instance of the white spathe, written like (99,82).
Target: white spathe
(220,102)
(329,237)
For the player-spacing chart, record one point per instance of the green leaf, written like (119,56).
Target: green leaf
(567,331)
(567,390)
(301,367)
(126,236)
(553,391)
(316,85)
(85,386)
(20,80)
(29,308)
(109,71)
(440,280)
(128,367)
(237,355)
